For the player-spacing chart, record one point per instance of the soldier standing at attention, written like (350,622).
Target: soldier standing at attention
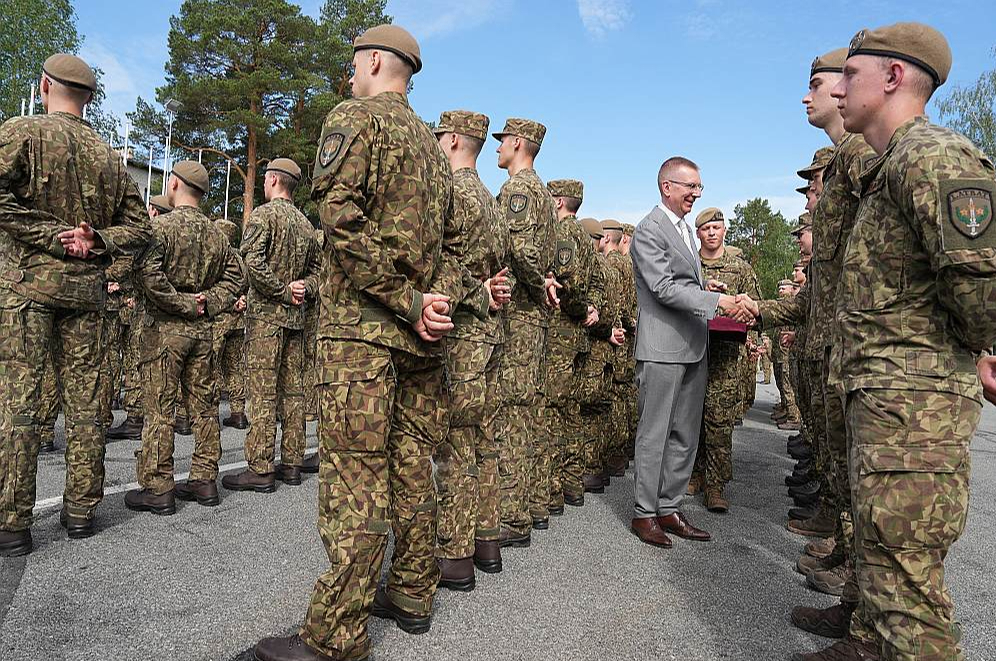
(188,274)
(467,519)
(56,173)
(229,346)
(384,191)
(282,262)
(523,444)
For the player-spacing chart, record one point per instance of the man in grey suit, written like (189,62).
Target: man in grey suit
(672,335)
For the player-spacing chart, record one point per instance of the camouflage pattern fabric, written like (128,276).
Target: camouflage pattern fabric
(624,367)
(55,172)
(230,357)
(50,404)
(131,392)
(382,396)
(310,338)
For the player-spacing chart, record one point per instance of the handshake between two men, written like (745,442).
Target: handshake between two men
(740,307)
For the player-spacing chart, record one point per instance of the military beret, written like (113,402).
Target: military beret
(611,224)
(193,174)
(592,227)
(913,42)
(820,160)
(70,70)
(786,283)
(522,128)
(803,189)
(161,202)
(286,166)
(832,62)
(393,39)
(710,215)
(464,122)
(566,188)
(230,229)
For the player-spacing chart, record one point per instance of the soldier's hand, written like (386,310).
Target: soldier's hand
(618,337)
(749,306)
(113,287)
(80,241)
(551,285)
(592,317)
(298,291)
(716,286)
(786,339)
(499,290)
(240,304)
(201,304)
(434,323)
(987,375)
(130,303)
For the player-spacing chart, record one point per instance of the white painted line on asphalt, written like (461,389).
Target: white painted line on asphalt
(51,503)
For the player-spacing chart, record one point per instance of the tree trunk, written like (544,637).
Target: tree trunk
(251,140)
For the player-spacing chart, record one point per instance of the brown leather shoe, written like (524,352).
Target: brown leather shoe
(249,481)
(694,485)
(310,464)
(830,581)
(15,543)
(508,538)
(593,484)
(457,574)
(832,622)
(650,532)
(205,492)
(289,648)
(237,421)
(807,564)
(842,650)
(143,500)
(676,524)
(818,526)
(386,609)
(288,474)
(129,430)
(487,556)
(821,548)
(714,500)
(77,527)
(182,426)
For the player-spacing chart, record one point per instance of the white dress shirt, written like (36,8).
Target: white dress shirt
(681,226)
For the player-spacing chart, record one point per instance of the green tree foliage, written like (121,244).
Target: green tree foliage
(766,239)
(971,110)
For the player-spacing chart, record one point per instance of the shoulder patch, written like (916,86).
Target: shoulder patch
(565,252)
(332,150)
(331,146)
(517,203)
(966,208)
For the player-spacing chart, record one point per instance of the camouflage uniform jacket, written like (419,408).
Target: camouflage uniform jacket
(610,314)
(577,269)
(120,271)
(734,272)
(384,190)
(188,255)
(475,245)
(532,223)
(229,321)
(279,247)
(623,266)
(918,284)
(833,219)
(55,173)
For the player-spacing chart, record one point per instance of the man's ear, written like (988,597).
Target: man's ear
(894,77)
(375,62)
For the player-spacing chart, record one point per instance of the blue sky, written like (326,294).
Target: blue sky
(620,84)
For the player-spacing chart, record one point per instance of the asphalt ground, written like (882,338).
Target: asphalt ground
(207,583)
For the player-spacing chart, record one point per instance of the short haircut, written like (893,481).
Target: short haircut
(395,65)
(77,95)
(530,147)
(284,180)
(572,204)
(470,144)
(921,83)
(614,236)
(669,167)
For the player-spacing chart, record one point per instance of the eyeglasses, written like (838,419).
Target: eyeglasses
(691,187)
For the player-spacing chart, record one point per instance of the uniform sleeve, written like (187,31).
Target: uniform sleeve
(229,287)
(608,315)
(951,204)
(313,270)
(120,269)
(159,291)
(255,245)
(345,157)
(573,267)
(130,228)
(526,257)
(452,277)
(787,311)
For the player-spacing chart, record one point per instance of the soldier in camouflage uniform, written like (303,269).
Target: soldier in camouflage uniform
(282,261)
(523,439)
(188,275)
(633,393)
(68,207)
(310,331)
(714,458)
(384,193)
(229,346)
(467,521)
(581,294)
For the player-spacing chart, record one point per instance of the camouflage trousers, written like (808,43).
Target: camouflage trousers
(74,339)
(50,403)
(523,444)
(787,389)
(176,368)
(595,398)
(110,378)
(909,469)
(230,354)
(382,412)
(620,436)
(276,381)
(131,350)
(811,378)
(800,394)
(562,414)
(310,378)
(748,367)
(766,368)
(467,458)
(724,388)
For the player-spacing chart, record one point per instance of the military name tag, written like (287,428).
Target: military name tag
(518,203)
(970,211)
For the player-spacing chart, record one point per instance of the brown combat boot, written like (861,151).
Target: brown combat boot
(311,464)
(182,426)
(289,648)
(818,526)
(487,556)
(456,574)
(129,430)
(509,538)
(617,466)
(236,421)
(249,481)
(714,500)
(15,543)
(574,500)
(77,527)
(386,609)
(789,425)
(205,492)
(832,622)
(288,474)
(807,564)
(694,485)
(842,650)
(830,581)
(821,548)
(143,500)
(593,484)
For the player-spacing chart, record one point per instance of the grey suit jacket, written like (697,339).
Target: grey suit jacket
(674,308)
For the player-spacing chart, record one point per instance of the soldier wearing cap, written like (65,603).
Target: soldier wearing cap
(581,295)
(189,274)
(813,173)
(724,391)
(477,240)
(230,345)
(58,234)
(282,262)
(523,443)
(384,192)
(914,311)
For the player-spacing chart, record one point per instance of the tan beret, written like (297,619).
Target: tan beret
(820,160)
(70,70)
(710,215)
(913,42)
(161,202)
(464,122)
(786,283)
(832,62)
(230,229)
(393,39)
(804,223)
(611,224)
(566,188)
(592,227)
(523,128)
(193,174)
(286,166)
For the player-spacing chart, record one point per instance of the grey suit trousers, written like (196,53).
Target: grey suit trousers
(667,435)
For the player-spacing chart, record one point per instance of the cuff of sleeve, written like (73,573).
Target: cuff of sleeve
(287,296)
(105,246)
(483,306)
(415,309)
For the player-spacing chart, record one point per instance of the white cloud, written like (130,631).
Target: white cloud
(432,18)
(117,80)
(602,16)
